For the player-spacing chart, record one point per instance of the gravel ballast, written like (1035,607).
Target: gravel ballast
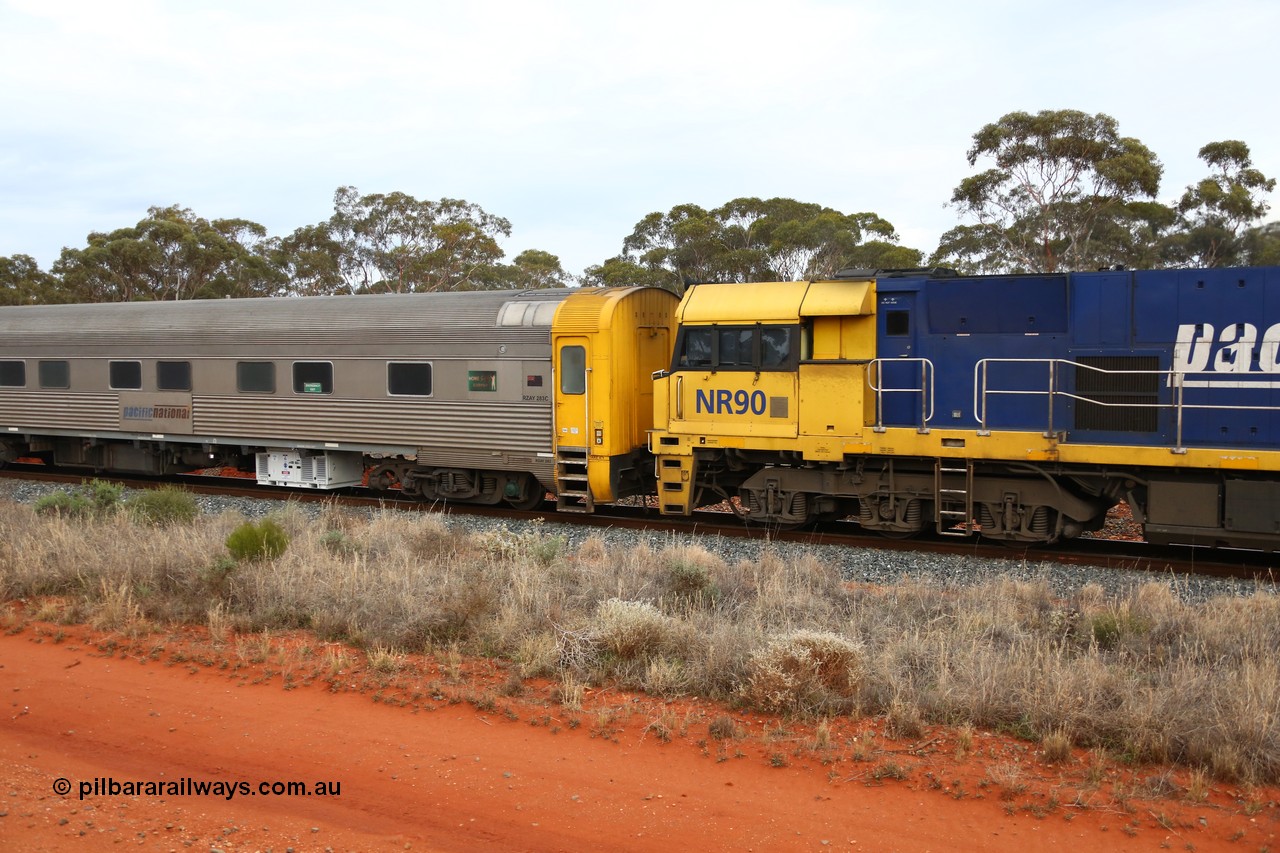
(859,565)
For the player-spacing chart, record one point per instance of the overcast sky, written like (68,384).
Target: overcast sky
(575,119)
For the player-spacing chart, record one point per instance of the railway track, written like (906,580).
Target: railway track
(1127,555)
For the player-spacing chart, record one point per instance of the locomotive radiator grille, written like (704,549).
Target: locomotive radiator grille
(1121,399)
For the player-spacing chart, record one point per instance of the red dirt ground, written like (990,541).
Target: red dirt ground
(454,755)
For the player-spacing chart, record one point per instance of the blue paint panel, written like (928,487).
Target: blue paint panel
(998,305)
(1165,299)
(1228,321)
(1100,309)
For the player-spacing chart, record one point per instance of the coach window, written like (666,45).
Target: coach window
(13,374)
(255,377)
(409,378)
(573,370)
(173,375)
(125,375)
(313,377)
(55,374)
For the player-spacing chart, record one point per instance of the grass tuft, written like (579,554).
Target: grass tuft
(164,507)
(258,540)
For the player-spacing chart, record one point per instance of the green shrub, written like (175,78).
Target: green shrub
(688,584)
(262,540)
(1108,628)
(94,499)
(164,506)
(546,549)
(65,504)
(104,496)
(216,577)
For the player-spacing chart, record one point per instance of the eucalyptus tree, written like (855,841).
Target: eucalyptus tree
(22,282)
(620,271)
(1262,245)
(1218,210)
(750,239)
(171,254)
(395,242)
(537,269)
(532,269)
(1053,178)
(311,260)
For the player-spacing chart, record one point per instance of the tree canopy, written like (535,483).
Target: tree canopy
(1065,191)
(1054,177)
(171,254)
(380,243)
(1217,211)
(1056,190)
(23,283)
(749,239)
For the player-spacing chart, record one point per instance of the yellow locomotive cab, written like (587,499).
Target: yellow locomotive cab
(773,367)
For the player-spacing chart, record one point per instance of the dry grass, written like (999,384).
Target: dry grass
(1141,676)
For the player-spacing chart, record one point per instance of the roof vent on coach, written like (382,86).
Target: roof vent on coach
(539,313)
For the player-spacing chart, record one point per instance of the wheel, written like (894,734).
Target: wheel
(533,500)
(531,493)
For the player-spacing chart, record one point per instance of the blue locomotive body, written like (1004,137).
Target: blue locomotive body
(1159,358)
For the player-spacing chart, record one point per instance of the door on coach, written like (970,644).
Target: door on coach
(573,392)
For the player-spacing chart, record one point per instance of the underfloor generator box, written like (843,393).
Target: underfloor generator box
(310,470)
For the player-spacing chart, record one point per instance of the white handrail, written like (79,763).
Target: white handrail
(925,389)
(1176,380)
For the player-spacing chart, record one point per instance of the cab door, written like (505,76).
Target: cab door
(902,380)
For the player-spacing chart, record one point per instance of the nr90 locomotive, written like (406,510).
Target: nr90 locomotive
(1019,408)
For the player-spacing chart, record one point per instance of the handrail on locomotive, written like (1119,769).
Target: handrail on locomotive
(1174,379)
(983,391)
(925,389)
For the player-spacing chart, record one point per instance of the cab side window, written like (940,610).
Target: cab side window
(757,347)
(696,351)
(737,348)
(776,347)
